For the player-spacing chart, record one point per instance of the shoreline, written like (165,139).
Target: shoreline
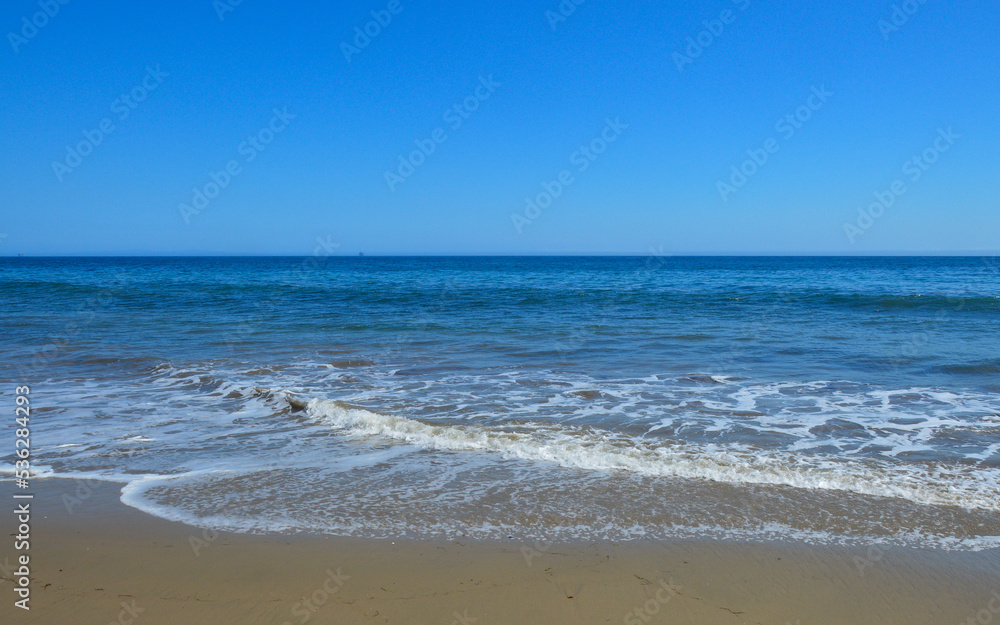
(105,562)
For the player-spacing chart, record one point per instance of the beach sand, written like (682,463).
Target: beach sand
(108,563)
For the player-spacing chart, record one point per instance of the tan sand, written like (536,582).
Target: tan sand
(107,563)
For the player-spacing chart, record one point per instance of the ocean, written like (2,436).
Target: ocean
(820,399)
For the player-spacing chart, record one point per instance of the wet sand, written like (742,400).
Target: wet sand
(103,562)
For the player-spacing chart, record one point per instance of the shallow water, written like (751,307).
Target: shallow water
(827,399)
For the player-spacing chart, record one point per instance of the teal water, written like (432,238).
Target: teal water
(823,399)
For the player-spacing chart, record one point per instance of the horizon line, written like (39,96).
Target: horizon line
(871,254)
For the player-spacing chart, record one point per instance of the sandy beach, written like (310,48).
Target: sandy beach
(104,562)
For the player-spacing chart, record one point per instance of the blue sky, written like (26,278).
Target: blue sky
(687,144)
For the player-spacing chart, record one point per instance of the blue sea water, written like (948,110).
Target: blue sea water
(818,399)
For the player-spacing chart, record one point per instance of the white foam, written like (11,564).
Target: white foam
(587,449)
(837,436)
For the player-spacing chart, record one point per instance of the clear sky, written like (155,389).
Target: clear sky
(120,119)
